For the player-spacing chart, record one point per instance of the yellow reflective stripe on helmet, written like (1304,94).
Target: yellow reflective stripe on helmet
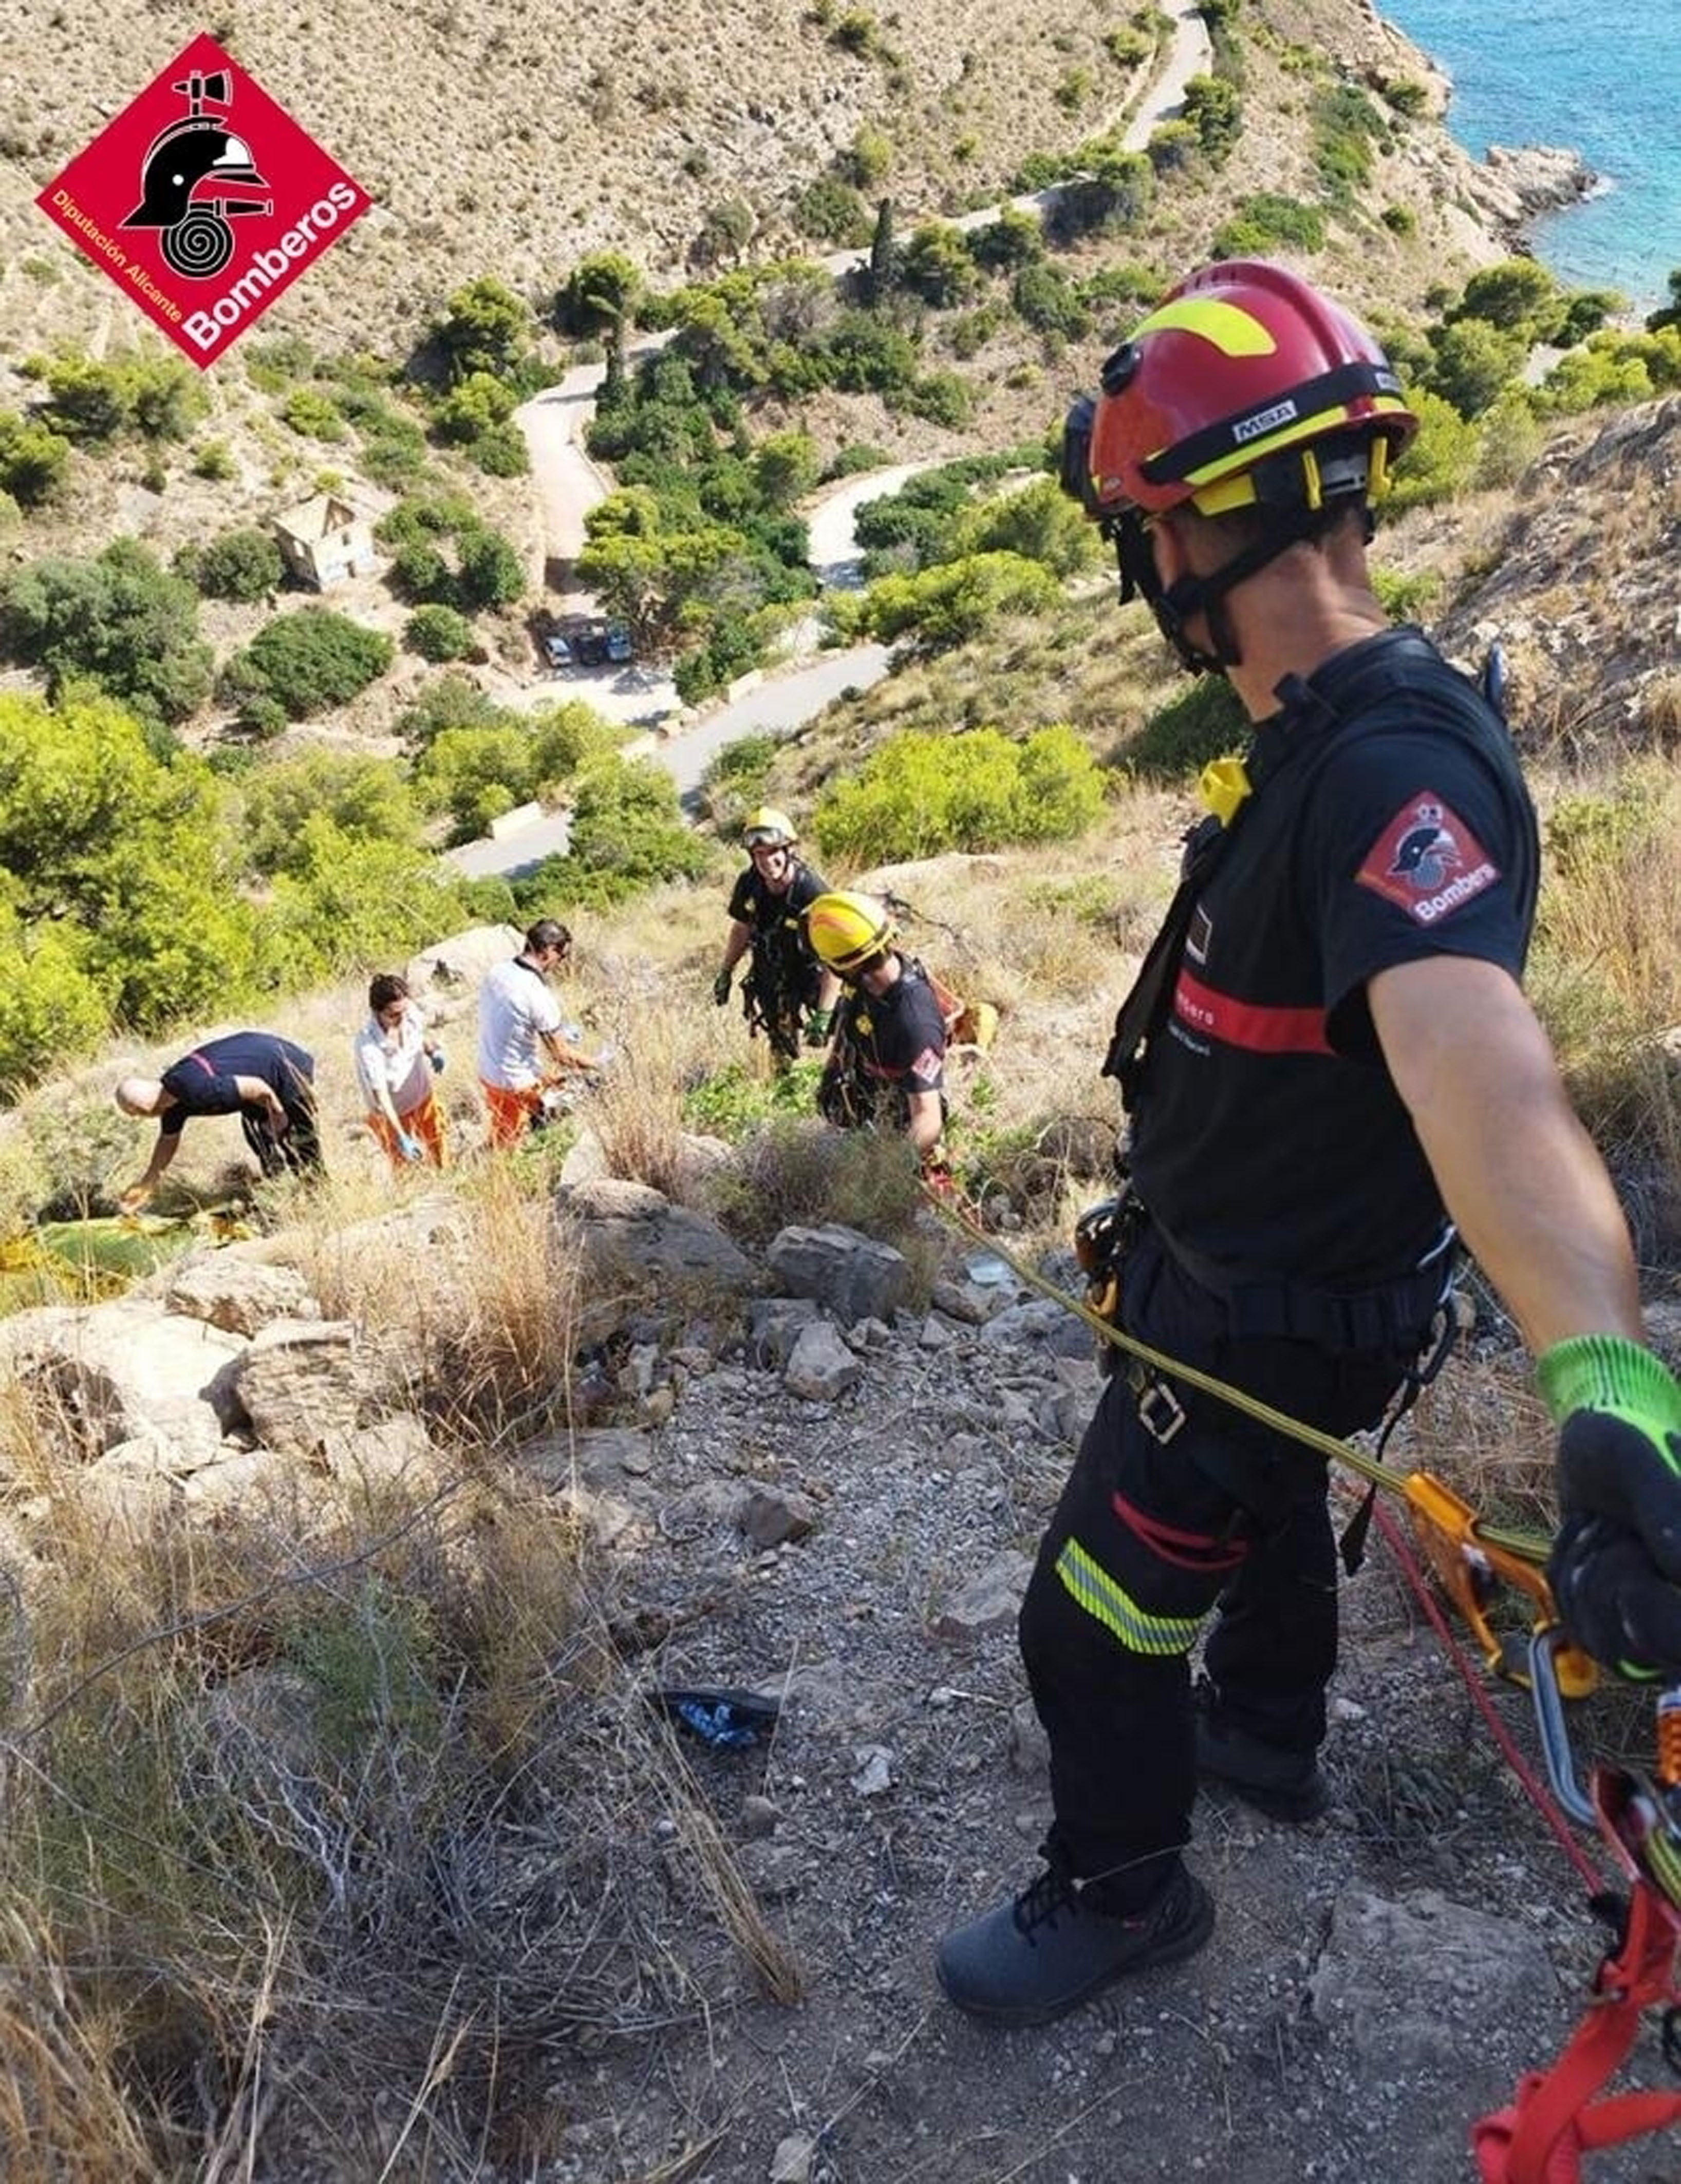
(1115,1608)
(1233,333)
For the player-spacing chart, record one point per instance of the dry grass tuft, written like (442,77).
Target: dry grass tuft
(471,1288)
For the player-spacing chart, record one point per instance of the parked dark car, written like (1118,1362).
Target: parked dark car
(619,646)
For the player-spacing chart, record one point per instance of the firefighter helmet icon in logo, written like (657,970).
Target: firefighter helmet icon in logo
(189,177)
(1428,852)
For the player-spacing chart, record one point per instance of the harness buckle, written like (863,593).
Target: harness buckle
(1160,1413)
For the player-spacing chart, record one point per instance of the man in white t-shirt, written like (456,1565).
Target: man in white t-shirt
(525,1044)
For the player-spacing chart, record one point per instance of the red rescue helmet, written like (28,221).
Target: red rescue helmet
(1242,363)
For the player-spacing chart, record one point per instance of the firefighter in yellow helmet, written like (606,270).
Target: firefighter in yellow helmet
(886,1065)
(787,993)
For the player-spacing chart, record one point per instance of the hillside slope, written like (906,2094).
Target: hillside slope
(506,141)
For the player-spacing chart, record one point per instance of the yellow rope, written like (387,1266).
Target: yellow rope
(1527,1546)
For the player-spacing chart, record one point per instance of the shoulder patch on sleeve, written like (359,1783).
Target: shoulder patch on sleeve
(1428,861)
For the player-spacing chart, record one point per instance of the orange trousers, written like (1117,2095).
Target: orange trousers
(425,1123)
(510,1112)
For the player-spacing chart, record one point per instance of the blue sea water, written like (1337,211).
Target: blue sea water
(1603,78)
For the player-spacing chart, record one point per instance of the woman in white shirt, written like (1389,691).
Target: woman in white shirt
(395,1065)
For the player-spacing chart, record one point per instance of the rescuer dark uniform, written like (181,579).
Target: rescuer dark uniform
(782,976)
(1291,1239)
(1326,1039)
(786,994)
(886,1046)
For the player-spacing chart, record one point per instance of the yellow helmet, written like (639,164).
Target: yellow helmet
(846,930)
(768,829)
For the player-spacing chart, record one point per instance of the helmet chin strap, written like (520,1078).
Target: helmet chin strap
(1174,604)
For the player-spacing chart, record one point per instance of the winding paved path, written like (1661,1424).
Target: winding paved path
(568,486)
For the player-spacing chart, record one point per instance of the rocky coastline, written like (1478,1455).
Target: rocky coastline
(1514,185)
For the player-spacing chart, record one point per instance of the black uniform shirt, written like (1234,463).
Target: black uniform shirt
(202,1082)
(900,1034)
(777,917)
(1268,1136)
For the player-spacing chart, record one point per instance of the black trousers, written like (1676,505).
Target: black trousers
(298,1150)
(1154,1531)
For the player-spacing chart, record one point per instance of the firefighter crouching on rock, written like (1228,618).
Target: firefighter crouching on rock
(886,1064)
(1327,1059)
(788,993)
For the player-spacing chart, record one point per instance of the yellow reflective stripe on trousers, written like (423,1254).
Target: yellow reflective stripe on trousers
(1099,1595)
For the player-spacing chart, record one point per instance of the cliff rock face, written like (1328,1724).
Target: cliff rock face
(1581,589)
(1509,188)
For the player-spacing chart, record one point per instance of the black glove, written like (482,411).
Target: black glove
(1617,1558)
(1613,1603)
(721,988)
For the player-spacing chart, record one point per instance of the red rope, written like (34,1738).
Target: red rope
(1539,1796)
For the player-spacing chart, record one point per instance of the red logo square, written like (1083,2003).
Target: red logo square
(1426,860)
(202,200)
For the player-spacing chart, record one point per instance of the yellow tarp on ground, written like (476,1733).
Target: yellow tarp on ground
(77,1261)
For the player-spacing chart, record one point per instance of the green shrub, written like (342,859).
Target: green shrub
(347,901)
(1268,221)
(366,800)
(1204,721)
(1014,239)
(214,461)
(471,406)
(1346,126)
(941,398)
(1050,303)
(1403,597)
(1408,96)
(501,452)
(51,1011)
(1212,108)
(158,399)
(419,571)
(313,415)
(855,32)
(952,603)
(831,210)
(1127,48)
(489,573)
(32,459)
(244,564)
(1473,361)
(439,633)
(978,790)
(120,620)
(308,661)
(1172,147)
(1399,220)
(628,833)
(128,852)
(854,458)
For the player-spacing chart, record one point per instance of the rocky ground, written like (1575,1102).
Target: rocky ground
(849,1530)
(815,1469)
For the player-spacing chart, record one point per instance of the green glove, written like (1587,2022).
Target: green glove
(721,988)
(1616,1568)
(818,1026)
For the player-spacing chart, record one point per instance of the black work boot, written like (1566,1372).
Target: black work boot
(1051,1948)
(1283,1783)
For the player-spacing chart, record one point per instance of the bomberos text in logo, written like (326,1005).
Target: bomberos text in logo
(203,200)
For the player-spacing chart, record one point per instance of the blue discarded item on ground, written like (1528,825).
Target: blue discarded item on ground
(731,1720)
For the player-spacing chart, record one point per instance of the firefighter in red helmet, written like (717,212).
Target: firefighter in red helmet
(1329,1066)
